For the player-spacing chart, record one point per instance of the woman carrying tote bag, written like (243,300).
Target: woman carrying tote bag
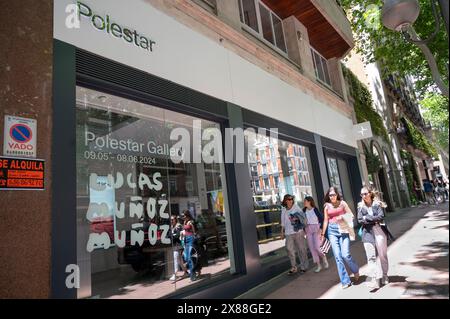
(338,222)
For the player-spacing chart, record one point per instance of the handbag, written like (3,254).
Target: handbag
(325,246)
(360,232)
(389,235)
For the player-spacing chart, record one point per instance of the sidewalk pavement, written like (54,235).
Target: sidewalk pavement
(418,261)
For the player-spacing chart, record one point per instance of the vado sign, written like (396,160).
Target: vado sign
(106,24)
(19,137)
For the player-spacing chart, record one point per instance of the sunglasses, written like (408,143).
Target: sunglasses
(332,195)
(364,194)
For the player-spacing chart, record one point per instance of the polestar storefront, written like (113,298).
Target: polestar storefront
(124,80)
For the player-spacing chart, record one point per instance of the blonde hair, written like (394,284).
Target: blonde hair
(374,194)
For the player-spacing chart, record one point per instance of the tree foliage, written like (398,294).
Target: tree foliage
(373,162)
(435,111)
(377,43)
(408,169)
(418,139)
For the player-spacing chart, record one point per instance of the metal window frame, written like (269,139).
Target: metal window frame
(259,34)
(322,60)
(64,209)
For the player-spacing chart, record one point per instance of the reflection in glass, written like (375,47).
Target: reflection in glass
(266,24)
(127,190)
(248,14)
(279,35)
(290,174)
(333,173)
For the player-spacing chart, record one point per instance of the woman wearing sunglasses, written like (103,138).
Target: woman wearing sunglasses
(293,223)
(374,236)
(338,221)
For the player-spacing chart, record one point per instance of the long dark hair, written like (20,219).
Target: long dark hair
(310,199)
(327,195)
(187,215)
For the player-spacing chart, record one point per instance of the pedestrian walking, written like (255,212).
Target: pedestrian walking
(188,235)
(338,223)
(313,230)
(445,186)
(374,236)
(428,189)
(175,231)
(293,223)
(418,191)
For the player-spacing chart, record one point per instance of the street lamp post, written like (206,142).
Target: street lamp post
(400,15)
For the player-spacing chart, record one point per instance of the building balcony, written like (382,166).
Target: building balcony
(329,30)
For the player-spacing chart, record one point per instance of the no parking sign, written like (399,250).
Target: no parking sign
(19,137)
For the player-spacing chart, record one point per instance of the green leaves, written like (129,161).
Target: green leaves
(375,42)
(418,139)
(373,162)
(409,169)
(435,108)
(363,105)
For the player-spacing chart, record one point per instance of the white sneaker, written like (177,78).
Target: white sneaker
(346,286)
(318,269)
(325,262)
(173,278)
(385,280)
(373,284)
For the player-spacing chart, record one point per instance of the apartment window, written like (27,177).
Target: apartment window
(321,68)
(277,182)
(248,14)
(266,183)
(209,5)
(268,26)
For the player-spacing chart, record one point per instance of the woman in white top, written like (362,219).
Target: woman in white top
(313,231)
(293,223)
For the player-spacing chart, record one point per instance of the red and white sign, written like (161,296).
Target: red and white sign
(19,137)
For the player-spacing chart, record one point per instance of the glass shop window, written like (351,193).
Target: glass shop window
(292,175)
(131,198)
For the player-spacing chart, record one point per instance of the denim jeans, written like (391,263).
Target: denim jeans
(340,244)
(188,242)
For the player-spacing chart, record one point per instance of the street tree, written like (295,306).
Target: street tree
(377,43)
(435,111)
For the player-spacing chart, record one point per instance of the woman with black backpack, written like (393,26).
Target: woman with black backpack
(313,231)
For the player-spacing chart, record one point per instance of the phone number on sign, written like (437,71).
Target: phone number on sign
(102,156)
